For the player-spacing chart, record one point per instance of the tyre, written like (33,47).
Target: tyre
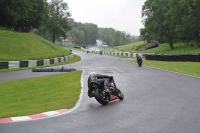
(139,64)
(101,97)
(120,94)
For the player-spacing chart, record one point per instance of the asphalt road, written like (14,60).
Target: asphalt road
(155,101)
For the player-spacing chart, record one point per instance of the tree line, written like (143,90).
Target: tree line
(88,33)
(171,21)
(83,33)
(51,20)
(23,15)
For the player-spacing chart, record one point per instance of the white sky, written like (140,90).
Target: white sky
(122,15)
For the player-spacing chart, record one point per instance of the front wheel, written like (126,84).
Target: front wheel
(101,97)
(139,64)
(120,94)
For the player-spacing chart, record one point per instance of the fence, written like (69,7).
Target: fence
(31,63)
(188,57)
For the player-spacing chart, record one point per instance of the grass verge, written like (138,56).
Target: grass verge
(36,95)
(16,46)
(189,68)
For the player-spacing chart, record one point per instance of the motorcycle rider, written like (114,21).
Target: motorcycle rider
(99,78)
(139,57)
(100,52)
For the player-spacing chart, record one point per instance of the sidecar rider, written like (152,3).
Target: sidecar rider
(97,78)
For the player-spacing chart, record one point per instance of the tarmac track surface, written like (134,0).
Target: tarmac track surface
(155,101)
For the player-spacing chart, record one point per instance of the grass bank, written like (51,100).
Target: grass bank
(179,48)
(36,95)
(16,46)
(131,47)
(189,68)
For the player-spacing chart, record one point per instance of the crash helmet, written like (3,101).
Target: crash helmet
(92,73)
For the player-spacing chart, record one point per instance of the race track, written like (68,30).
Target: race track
(155,101)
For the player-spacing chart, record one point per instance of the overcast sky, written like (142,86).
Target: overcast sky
(122,15)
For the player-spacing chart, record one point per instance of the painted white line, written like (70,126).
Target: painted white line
(80,97)
(50,113)
(172,71)
(21,118)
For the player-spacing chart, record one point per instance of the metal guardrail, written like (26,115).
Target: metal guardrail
(31,63)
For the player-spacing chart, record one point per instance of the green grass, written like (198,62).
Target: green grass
(189,68)
(128,47)
(36,95)
(164,48)
(76,58)
(4,28)
(27,46)
(179,48)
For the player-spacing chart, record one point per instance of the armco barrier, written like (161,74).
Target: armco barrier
(13,64)
(62,59)
(23,64)
(31,63)
(40,62)
(66,58)
(59,59)
(51,61)
(4,65)
(46,61)
(189,57)
(118,53)
(55,60)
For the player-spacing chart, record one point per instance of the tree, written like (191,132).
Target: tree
(158,21)
(22,15)
(56,22)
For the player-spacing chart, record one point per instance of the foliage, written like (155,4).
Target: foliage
(56,21)
(51,18)
(88,33)
(171,21)
(179,48)
(21,15)
(83,33)
(113,37)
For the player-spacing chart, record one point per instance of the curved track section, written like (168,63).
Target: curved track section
(155,101)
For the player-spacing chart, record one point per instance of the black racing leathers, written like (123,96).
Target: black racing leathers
(97,78)
(139,58)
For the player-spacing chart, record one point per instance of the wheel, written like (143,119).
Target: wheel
(120,94)
(101,97)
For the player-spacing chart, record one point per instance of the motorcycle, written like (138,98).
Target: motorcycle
(103,96)
(139,63)
(100,52)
